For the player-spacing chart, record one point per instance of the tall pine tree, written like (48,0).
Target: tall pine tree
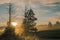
(29,21)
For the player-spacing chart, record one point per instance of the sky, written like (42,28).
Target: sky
(45,10)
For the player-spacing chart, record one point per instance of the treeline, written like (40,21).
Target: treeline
(57,24)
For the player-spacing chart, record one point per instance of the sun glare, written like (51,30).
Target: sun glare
(14,23)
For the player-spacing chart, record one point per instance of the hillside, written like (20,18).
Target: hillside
(49,34)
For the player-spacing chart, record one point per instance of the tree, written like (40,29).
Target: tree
(29,21)
(57,24)
(50,24)
(9,33)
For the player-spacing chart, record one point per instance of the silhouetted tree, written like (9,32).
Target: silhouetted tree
(57,24)
(9,33)
(50,24)
(29,21)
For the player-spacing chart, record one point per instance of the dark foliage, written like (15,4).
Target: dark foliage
(29,21)
(9,34)
(57,24)
(50,24)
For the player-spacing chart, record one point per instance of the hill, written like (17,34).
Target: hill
(49,34)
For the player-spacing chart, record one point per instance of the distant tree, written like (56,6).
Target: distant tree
(29,21)
(57,23)
(49,24)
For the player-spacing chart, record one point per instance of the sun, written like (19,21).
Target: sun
(14,23)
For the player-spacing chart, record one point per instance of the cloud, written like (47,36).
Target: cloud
(45,2)
(58,13)
(53,19)
(3,1)
(54,4)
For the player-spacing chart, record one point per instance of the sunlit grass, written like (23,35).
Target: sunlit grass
(2,30)
(18,30)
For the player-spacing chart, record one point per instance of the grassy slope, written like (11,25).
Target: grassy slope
(49,34)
